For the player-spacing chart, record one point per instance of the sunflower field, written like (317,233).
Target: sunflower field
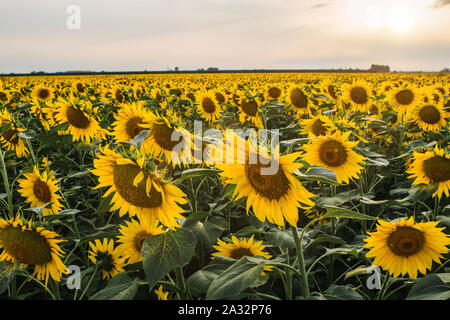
(166,186)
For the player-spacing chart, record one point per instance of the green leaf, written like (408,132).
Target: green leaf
(335,292)
(120,287)
(104,205)
(199,282)
(38,210)
(335,212)
(280,238)
(207,232)
(7,272)
(319,174)
(241,275)
(164,252)
(431,287)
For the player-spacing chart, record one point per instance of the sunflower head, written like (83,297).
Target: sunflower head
(30,245)
(405,247)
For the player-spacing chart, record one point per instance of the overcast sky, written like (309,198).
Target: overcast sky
(125,35)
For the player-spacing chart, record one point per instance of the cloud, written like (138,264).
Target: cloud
(440,3)
(319,5)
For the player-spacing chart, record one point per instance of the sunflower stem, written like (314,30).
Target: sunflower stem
(181,282)
(436,207)
(301,260)
(97,267)
(6,183)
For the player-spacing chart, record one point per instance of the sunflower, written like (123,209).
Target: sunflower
(208,106)
(5,96)
(317,126)
(30,245)
(10,138)
(40,189)
(272,92)
(82,125)
(404,98)
(358,94)
(431,167)
(404,247)
(138,191)
(42,93)
(106,257)
(330,90)
(132,237)
(298,100)
(249,111)
(159,141)
(128,120)
(334,153)
(118,95)
(430,117)
(275,196)
(239,248)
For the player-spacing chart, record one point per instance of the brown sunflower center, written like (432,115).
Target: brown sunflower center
(430,114)
(208,105)
(271,186)
(163,136)
(2,95)
(26,246)
(437,168)
(219,97)
(404,97)
(124,175)
(240,252)
(332,153)
(331,91)
(318,128)
(139,239)
(250,107)
(298,98)
(79,87)
(406,241)
(11,136)
(43,94)
(119,95)
(42,191)
(77,118)
(359,95)
(132,127)
(107,261)
(274,92)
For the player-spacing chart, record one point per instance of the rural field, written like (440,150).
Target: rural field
(191,186)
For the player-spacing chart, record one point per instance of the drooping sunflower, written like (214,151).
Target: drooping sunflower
(431,167)
(210,109)
(40,189)
(42,93)
(358,94)
(29,245)
(109,258)
(132,237)
(404,247)
(138,191)
(298,99)
(330,90)
(82,125)
(429,117)
(334,153)
(118,94)
(273,193)
(404,98)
